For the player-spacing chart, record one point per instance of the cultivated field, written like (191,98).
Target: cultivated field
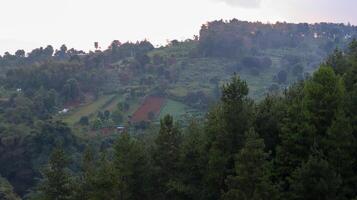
(150,105)
(87,110)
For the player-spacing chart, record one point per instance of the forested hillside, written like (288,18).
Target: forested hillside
(297,145)
(248,110)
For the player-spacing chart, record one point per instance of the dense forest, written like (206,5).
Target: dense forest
(293,138)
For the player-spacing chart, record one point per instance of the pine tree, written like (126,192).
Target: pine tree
(57,184)
(131,168)
(338,147)
(237,112)
(188,184)
(252,179)
(225,130)
(323,96)
(104,180)
(315,180)
(167,155)
(311,109)
(270,113)
(338,62)
(85,181)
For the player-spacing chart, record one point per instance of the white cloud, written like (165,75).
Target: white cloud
(243,3)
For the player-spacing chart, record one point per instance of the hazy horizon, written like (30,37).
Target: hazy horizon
(33,23)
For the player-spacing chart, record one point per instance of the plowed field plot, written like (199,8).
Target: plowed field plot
(149,108)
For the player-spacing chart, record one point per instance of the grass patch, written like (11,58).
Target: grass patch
(87,110)
(112,104)
(174,108)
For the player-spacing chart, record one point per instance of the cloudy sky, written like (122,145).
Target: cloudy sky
(26,24)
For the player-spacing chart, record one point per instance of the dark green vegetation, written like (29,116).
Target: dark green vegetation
(295,141)
(298,145)
(6,190)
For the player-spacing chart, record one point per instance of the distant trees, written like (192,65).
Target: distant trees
(62,52)
(48,51)
(198,99)
(20,53)
(281,77)
(84,121)
(232,39)
(256,62)
(118,51)
(298,70)
(71,90)
(70,79)
(39,55)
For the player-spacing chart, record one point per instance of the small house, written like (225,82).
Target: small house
(120,129)
(64,111)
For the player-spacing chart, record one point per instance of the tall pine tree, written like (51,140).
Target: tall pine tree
(252,179)
(57,183)
(225,130)
(131,168)
(315,180)
(166,156)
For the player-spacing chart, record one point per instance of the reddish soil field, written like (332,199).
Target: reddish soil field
(151,104)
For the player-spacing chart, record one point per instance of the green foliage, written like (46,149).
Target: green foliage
(237,112)
(323,96)
(166,155)
(226,126)
(57,183)
(71,90)
(232,38)
(85,183)
(252,179)
(84,121)
(337,147)
(188,183)
(117,116)
(104,180)
(131,167)
(315,179)
(299,145)
(6,190)
(97,124)
(269,115)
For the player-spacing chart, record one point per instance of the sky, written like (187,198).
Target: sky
(28,24)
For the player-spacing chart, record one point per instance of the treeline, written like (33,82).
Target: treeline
(298,145)
(68,79)
(38,55)
(116,51)
(73,73)
(234,38)
(70,73)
